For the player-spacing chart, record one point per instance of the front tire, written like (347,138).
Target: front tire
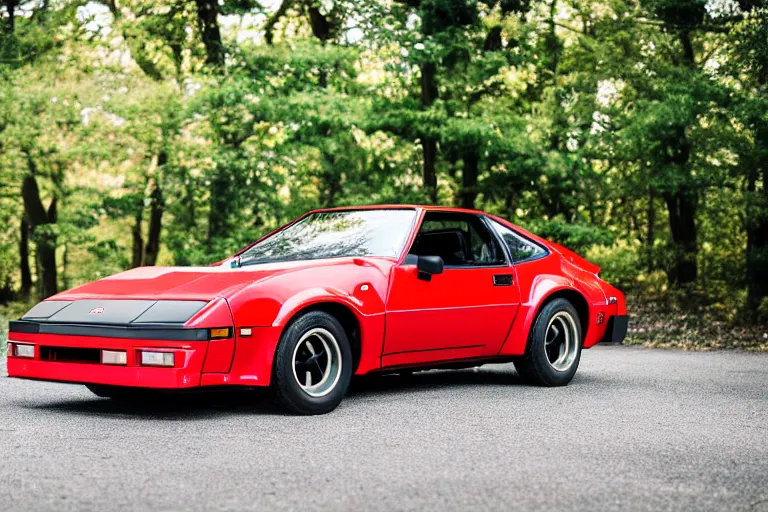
(554,346)
(313,364)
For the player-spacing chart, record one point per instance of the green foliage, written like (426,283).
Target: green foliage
(620,264)
(10,311)
(577,237)
(630,133)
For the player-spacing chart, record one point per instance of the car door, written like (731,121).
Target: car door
(464,312)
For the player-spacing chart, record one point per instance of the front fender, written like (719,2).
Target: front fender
(269,309)
(367,307)
(276,312)
(312,296)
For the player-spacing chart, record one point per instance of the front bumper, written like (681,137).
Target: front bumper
(616,330)
(189,357)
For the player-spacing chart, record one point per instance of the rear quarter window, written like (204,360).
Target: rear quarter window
(520,247)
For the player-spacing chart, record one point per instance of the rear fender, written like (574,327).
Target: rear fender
(542,287)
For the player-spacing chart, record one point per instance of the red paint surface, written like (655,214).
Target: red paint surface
(458,308)
(188,357)
(402,320)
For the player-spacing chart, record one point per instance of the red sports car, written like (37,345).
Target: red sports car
(334,293)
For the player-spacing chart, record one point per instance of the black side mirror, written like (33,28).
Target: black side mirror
(428,266)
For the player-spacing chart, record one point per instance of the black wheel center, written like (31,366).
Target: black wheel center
(313,363)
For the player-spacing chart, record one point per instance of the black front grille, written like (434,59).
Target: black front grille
(70,355)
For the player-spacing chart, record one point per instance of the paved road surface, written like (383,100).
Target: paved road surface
(637,430)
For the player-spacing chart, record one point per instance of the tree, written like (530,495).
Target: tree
(751,58)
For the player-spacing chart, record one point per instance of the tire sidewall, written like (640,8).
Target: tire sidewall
(287,391)
(538,342)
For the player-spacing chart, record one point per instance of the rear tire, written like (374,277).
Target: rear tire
(554,346)
(313,364)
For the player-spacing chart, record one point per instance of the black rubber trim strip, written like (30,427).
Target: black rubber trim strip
(170,332)
(430,350)
(23,326)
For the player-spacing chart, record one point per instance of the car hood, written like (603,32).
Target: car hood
(196,283)
(176,283)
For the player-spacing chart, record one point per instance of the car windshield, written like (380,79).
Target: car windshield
(336,234)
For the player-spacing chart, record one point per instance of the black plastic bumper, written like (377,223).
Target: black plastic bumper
(616,330)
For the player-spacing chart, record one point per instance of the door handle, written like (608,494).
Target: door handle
(503,280)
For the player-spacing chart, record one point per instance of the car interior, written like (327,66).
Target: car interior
(459,239)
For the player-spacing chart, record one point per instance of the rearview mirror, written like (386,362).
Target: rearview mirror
(428,266)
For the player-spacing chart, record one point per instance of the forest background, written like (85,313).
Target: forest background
(137,132)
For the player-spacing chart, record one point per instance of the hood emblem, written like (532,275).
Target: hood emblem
(96,311)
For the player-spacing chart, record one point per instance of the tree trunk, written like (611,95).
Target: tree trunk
(681,204)
(469,180)
(428,96)
(428,169)
(45,240)
(10,23)
(156,206)
(208,21)
(191,212)
(650,236)
(137,251)
(552,43)
(757,227)
(689,57)
(322,27)
(65,266)
(219,206)
(26,273)
(48,254)
(493,41)
(332,182)
(333,188)
(682,222)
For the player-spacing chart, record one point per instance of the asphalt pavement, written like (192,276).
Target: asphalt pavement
(638,429)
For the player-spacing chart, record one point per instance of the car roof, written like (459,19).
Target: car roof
(432,208)
(400,207)
(424,207)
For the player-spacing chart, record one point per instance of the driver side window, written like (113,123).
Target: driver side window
(459,239)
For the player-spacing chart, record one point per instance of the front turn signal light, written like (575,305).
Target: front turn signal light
(220,333)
